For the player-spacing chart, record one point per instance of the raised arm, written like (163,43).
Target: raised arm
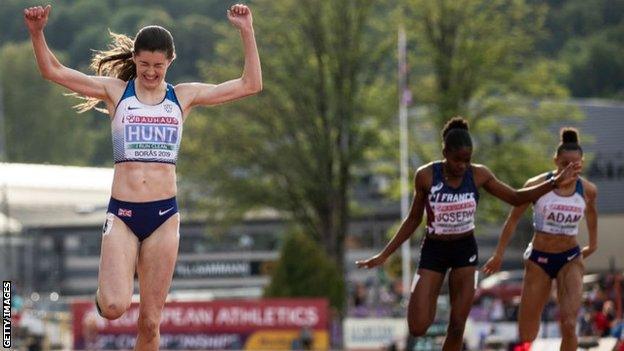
(51,69)
(493,265)
(409,224)
(484,177)
(591,217)
(250,82)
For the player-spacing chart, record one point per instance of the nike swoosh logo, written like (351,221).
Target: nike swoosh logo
(472,258)
(570,258)
(133,108)
(162,213)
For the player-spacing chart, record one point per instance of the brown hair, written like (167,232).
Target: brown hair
(117,60)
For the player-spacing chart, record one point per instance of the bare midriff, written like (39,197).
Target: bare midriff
(553,243)
(144,181)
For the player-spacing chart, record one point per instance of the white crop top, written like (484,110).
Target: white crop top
(556,214)
(147,133)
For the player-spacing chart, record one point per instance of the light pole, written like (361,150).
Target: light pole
(403,101)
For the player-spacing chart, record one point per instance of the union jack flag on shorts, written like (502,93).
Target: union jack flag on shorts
(124,213)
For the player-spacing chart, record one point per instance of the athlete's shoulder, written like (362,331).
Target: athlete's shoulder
(480,170)
(424,171)
(114,81)
(188,92)
(424,175)
(479,167)
(590,189)
(426,167)
(115,89)
(540,178)
(114,85)
(192,88)
(183,87)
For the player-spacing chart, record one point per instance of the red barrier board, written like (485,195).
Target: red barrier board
(222,324)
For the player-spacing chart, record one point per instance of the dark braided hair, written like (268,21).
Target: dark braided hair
(569,140)
(455,134)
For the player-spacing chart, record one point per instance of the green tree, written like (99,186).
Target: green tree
(596,67)
(576,19)
(587,36)
(40,125)
(477,58)
(295,146)
(195,38)
(304,270)
(67,23)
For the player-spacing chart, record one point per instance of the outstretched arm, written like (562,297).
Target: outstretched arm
(250,82)
(591,217)
(50,67)
(493,265)
(514,197)
(408,226)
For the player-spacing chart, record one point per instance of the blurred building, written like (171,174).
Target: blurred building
(55,215)
(605,167)
(51,219)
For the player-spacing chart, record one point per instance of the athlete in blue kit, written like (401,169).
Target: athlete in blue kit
(141,231)
(448,191)
(554,253)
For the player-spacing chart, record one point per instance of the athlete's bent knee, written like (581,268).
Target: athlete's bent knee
(528,335)
(149,327)
(112,310)
(417,330)
(111,307)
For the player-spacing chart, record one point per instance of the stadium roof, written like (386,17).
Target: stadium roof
(50,195)
(9,225)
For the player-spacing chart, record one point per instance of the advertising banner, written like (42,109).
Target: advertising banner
(373,333)
(267,324)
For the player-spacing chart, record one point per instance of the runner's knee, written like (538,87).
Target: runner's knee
(528,334)
(110,306)
(418,329)
(418,326)
(112,310)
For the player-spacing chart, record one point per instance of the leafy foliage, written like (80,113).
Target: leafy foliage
(304,270)
(293,148)
(576,43)
(37,113)
(467,65)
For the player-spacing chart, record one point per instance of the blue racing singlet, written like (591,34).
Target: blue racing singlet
(451,210)
(147,133)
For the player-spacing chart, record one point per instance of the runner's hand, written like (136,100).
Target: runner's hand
(240,16)
(372,262)
(587,250)
(492,265)
(569,175)
(36,17)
